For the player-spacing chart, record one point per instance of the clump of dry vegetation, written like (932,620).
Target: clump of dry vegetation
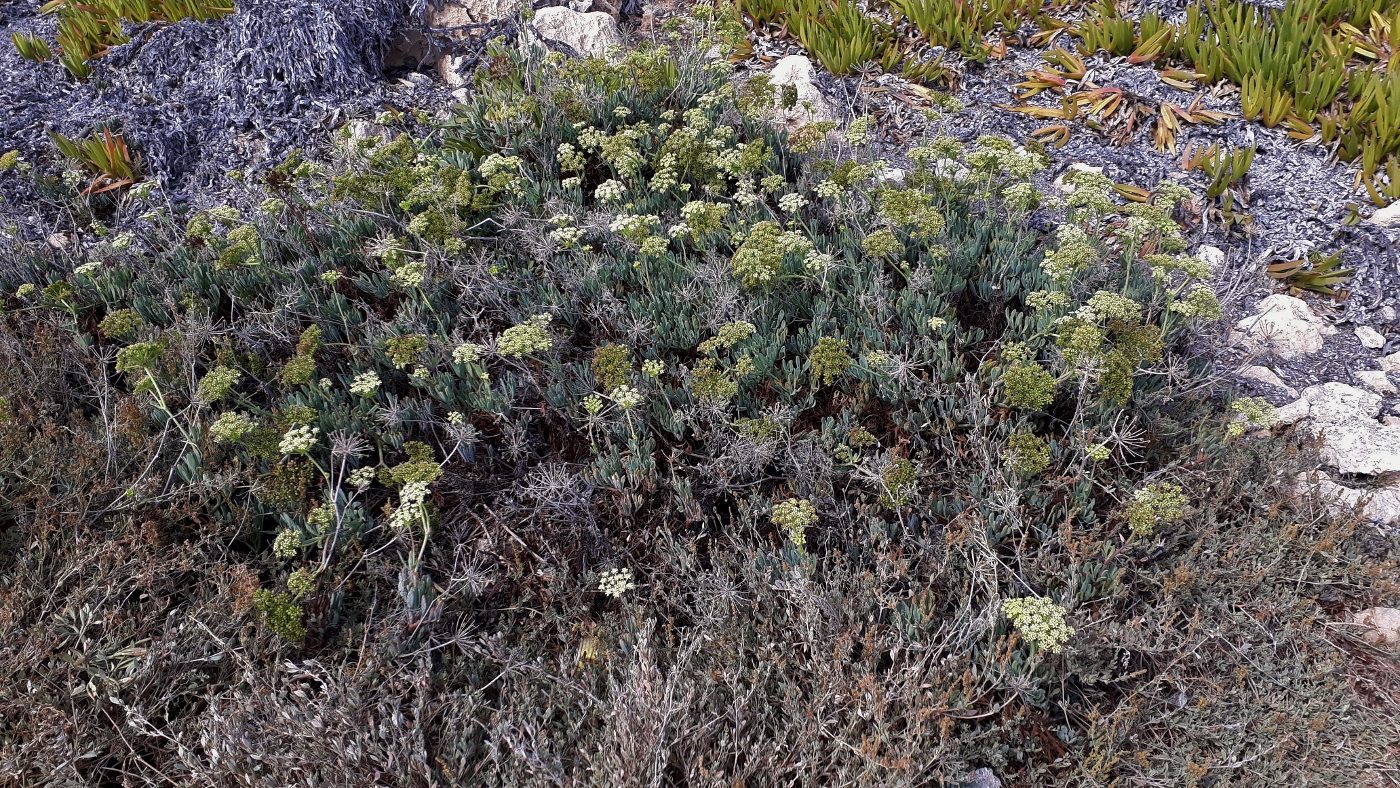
(599,434)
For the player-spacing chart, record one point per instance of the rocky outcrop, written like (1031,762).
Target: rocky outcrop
(1345,419)
(1377,381)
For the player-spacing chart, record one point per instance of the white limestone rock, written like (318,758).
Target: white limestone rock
(1377,381)
(592,34)
(1267,377)
(797,72)
(1380,506)
(1370,338)
(1345,419)
(1284,326)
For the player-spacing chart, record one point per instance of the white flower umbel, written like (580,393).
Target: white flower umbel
(298,440)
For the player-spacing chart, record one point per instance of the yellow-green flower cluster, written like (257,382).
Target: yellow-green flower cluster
(502,173)
(858,131)
(1028,386)
(1091,192)
(469,352)
(1026,453)
(882,244)
(829,359)
(794,516)
(626,397)
(729,335)
(231,427)
(405,350)
(282,614)
(299,439)
(1251,412)
(365,384)
(569,158)
(899,480)
(532,336)
(120,323)
(611,365)
(1073,252)
(139,357)
(412,508)
(910,209)
(217,383)
(301,583)
(636,228)
(1104,305)
(1040,621)
(409,275)
(702,218)
(1156,504)
(286,544)
(1200,303)
(610,191)
(759,259)
(999,155)
(1194,267)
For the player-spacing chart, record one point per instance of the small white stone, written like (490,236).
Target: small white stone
(1377,381)
(1382,625)
(798,72)
(1371,339)
(1391,363)
(1062,183)
(1389,216)
(1212,255)
(892,175)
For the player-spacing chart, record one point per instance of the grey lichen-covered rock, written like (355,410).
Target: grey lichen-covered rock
(797,73)
(1345,419)
(1284,326)
(982,778)
(593,34)
(1380,506)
